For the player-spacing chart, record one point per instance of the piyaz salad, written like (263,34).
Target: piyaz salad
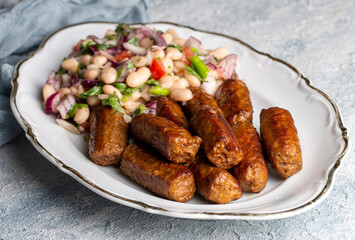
(126,69)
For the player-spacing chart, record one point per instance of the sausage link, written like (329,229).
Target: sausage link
(149,169)
(108,136)
(218,140)
(171,110)
(200,98)
(172,141)
(280,140)
(252,171)
(234,100)
(214,184)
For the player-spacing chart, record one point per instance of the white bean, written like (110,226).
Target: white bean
(146,42)
(178,66)
(108,75)
(145,94)
(159,54)
(64,91)
(110,32)
(99,60)
(77,91)
(181,94)
(103,96)
(92,66)
(135,96)
(47,91)
(85,59)
(167,37)
(93,101)
(139,61)
(180,83)
(82,115)
(91,73)
(173,53)
(179,41)
(192,79)
(219,53)
(172,32)
(130,105)
(168,65)
(111,90)
(167,81)
(135,79)
(212,73)
(71,65)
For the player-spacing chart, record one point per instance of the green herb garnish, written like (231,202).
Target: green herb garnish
(114,102)
(176,46)
(133,41)
(159,90)
(139,110)
(94,91)
(75,107)
(130,65)
(111,37)
(120,86)
(103,46)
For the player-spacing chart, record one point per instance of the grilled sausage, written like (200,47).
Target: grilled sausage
(172,141)
(214,184)
(171,110)
(108,136)
(149,169)
(234,100)
(280,140)
(252,171)
(200,98)
(218,140)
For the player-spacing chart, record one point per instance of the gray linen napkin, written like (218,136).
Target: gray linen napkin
(25,25)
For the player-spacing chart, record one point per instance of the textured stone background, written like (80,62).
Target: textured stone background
(37,201)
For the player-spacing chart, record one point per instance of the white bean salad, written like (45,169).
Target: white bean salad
(127,68)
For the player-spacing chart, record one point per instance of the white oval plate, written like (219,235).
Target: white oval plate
(271,82)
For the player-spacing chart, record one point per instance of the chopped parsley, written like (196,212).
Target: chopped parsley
(94,91)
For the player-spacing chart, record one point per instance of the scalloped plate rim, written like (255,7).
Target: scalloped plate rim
(156,210)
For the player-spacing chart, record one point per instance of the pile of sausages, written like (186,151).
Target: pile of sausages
(224,158)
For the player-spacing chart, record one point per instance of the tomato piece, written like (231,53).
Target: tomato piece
(122,55)
(77,46)
(157,69)
(187,53)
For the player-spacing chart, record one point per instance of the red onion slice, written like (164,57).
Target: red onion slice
(51,103)
(152,108)
(192,42)
(226,66)
(134,49)
(147,32)
(65,105)
(53,81)
(66,80)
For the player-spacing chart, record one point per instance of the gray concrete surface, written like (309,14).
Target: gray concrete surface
(37,201)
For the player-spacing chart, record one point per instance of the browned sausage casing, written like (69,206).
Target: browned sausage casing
(200,98)
(280,141)
(252,171)
(171,110)
(108,136)
(214,184)
(149,169)
(234,100)
(218,140)
(172,141)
